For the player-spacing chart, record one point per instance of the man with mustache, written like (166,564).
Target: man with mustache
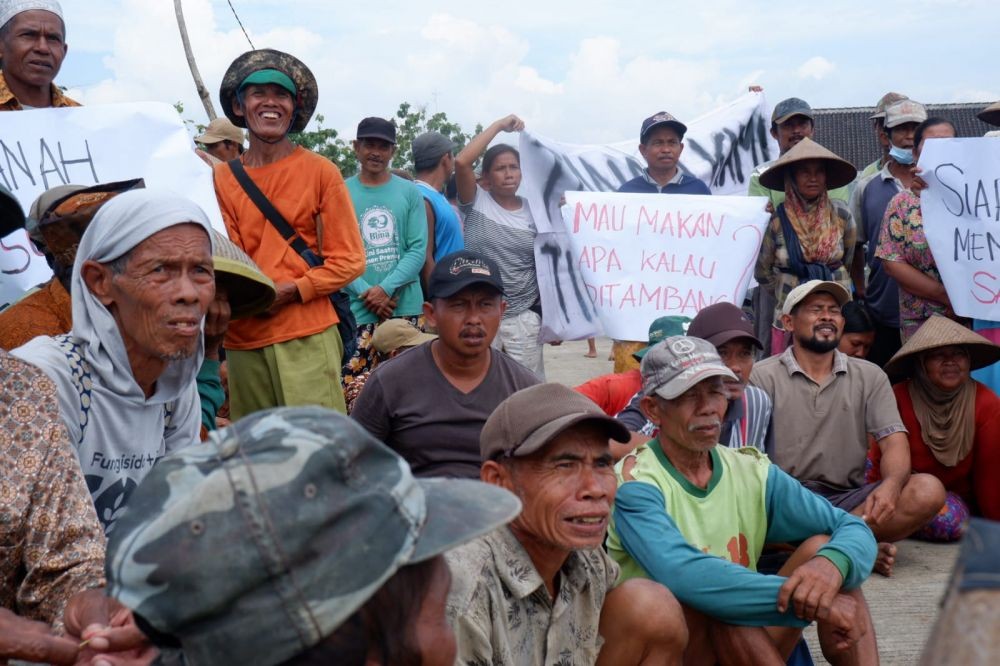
(32,48)
(826,406)
(695,515)
(542,590)
(429,403)
(393,225)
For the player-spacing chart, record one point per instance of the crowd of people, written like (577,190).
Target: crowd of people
(326,435)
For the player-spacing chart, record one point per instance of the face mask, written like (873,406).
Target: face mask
(901,155)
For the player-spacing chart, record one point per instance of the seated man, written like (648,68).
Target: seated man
(391,338)
(748,417)
(51,542)
(828,405)
(695,515)
(429,404)
(542,590)
(142,282)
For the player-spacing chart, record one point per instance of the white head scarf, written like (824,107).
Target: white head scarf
(11,8)
(120,225)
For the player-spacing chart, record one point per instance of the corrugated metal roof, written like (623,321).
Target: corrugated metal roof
(849,133)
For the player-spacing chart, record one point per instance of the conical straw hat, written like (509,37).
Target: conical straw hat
(839,172)
(937,332)
(249,291)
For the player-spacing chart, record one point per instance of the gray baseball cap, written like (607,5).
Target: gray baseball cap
(428,149)
(532,417)
(260,542)
(676,364)
(793,106)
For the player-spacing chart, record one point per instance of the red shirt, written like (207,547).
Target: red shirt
(976,478)
(612,392)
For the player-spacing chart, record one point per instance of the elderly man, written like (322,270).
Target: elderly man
(828,404)
(142,282)
(695,515)
(429,404)
(878,123)
(868,205)
(289,209)
(542,590)
(433,166)
(32,48)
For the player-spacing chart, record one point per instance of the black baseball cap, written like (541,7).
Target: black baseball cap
(461,269)
(661,118)
(377,128)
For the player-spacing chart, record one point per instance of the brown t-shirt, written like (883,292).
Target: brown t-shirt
(409,404)
(820,430)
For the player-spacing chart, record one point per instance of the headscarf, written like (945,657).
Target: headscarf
(119,226)
(947,418)
(818,226)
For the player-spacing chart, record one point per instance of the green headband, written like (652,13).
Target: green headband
(262,76)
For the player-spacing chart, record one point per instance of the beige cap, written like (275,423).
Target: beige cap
(397,333)
(904,111)
(887,99)
(797,295)
(220,129)
(531,418)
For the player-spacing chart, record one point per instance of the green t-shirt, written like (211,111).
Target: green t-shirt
(727,519)
(393,228)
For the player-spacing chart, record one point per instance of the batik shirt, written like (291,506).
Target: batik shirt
(503,613)
(51,545)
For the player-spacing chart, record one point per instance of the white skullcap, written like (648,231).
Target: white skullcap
(11,8)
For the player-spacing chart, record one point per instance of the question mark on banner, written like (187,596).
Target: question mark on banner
(744,281)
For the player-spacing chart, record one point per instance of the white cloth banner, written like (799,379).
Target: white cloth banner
(87,145)
(961,213)
(721,148)
(643,256)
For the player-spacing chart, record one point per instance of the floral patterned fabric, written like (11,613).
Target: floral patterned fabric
(51,544)
(503,614)
(366,358)
(902,239)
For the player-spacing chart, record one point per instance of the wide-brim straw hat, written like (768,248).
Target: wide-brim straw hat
(307,93)
(249,291)
(839,172)
(991,114)
(939,331)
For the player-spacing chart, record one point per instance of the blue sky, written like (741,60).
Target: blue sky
(581,71)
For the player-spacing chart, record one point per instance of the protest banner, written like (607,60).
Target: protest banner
(43,148)
(961,214)
(721,148)
(643,256)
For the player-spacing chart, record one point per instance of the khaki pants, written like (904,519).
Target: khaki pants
(304,371)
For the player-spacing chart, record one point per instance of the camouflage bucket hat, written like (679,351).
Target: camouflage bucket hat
(248,290)
(260,542)
(253,61)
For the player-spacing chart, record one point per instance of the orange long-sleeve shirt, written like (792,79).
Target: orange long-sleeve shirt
(307,190)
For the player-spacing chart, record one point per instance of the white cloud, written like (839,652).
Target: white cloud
(817,68)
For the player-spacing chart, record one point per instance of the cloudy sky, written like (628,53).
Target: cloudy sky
(583,71)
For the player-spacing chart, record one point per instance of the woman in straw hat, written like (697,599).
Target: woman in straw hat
(953,420)
(904,251)
(810,236)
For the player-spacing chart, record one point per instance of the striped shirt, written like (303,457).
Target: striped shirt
(746,423)
(508,238)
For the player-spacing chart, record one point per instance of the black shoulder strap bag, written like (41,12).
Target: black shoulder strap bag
(347,327)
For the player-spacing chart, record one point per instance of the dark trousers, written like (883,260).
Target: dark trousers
(887,343)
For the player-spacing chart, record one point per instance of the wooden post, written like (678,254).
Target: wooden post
(206,99)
